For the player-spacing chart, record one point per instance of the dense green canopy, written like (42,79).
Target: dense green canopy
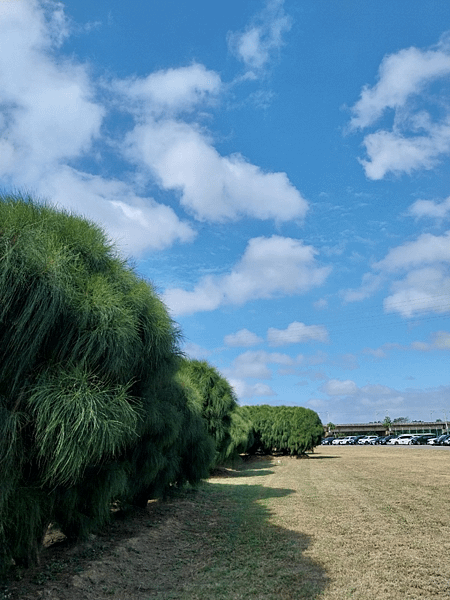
(215,400)
(291,430)
(90,408)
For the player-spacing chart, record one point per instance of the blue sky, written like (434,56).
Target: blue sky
(278,170)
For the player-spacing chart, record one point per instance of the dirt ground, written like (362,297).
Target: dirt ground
(145,555)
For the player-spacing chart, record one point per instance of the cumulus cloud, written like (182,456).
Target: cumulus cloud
(270,267)
(426,249)
(52,120)
(170,91)
(400,76)
(194,351)
(245,390)
(297,333)
(421,291)
(419,276)
(48,106)
(416,140)
(135,223)
(392,151)
(50,116)
(212,187)
(262,38)
(242,338)
(254,364)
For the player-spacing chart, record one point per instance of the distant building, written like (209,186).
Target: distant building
(437,427)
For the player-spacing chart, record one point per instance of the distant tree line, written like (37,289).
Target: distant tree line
(98,405)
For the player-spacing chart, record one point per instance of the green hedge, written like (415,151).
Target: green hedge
(91,411)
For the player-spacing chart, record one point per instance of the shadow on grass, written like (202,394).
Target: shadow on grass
(216,542)
(320,457)
(242,553)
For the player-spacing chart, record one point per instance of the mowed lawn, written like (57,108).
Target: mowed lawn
(370,522)
(367,523)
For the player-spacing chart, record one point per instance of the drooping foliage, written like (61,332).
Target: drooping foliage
(91,411)
(216,401)
(291,430)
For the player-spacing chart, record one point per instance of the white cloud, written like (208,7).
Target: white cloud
(50,116)
(424,286)
(263,37)
(416,140)
(421,291)
(297,333)
(335,387)
(194,351)
(439,340)
(253,364)
(48,106)
(242,338)
(392,151)
(400,76)
(427,249)
(170,91)
(211,187)
(270,267)
(430,208)
(246,390)
(370,284)
(135,223)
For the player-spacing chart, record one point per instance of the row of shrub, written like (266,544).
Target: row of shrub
(98,405)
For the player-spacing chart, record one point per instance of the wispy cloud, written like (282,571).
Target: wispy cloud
(297,333)
(263,38)
(430,208)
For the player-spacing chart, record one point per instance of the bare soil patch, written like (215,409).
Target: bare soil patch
(362,523)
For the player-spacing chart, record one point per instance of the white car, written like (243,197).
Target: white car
(343,441)
(350,439)
(367,440)
(404,438)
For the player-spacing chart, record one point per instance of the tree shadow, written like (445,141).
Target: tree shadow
(217,541)
(321,456)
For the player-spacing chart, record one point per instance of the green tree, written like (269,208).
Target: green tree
(291,430)
(216,402)
(90,409)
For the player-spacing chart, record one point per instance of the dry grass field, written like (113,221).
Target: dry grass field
(363,523)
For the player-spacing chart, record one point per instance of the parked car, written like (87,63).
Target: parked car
(346,440)
(337,441)
(437,440)
(387,439)
(422,439)
(369,439)
(404,438)
(327,441)
(445,441)
(378,440)
(358,438)
(392,439)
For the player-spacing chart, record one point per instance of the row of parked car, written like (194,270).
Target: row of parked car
(404,438)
